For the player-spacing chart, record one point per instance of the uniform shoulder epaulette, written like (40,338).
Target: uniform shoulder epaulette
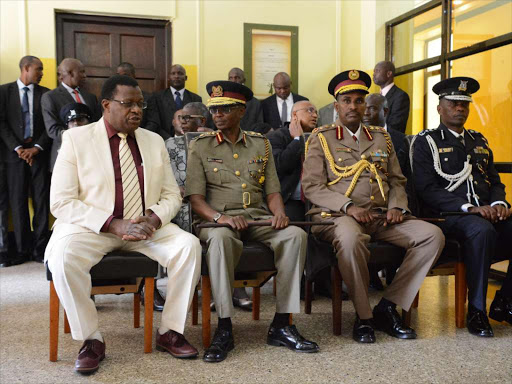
(323,128)
(427,131)
(374,128)
(203,135)
(472,133)
(254,134)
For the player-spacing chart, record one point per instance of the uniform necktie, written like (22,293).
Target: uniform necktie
(284,113)
(178,101)
(461,139)
(132,199)
(25,111)
(77,96)
(355,138)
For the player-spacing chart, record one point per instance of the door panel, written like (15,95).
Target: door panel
(102,42)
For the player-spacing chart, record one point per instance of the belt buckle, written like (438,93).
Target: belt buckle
(246,199)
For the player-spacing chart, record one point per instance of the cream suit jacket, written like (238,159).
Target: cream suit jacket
(83,186)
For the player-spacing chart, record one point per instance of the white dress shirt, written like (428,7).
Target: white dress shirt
(289,105)
(181,92)
(385,90)
(72,93)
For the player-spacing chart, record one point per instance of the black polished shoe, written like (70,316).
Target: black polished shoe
(388,320)
(478,323)
(158,300)
(245,304)
(4,260)
(222,343)
(363,331)
(501,308)
(290,338)
(20,258)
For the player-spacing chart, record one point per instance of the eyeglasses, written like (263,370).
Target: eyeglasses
(311,110)
(187,118)
(223,110)
(131,104)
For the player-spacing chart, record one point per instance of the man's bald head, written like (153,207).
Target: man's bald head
(177,77)
(376,110)
(282,85)
(236,75)
(306,113)
(71,72)
(383,73)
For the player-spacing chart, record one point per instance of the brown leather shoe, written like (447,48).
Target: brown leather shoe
(89,357)
(176,344)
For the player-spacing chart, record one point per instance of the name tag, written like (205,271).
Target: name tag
(445,150)
(213,160)
(343,149)
(481,150)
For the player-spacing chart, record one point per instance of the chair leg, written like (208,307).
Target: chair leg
(308,296)
(136,310)
(336,300)
(195,308)
(67,328)
(205,310)
(460,294)
(54,323)
(290,320)
(149,294)
(256,303)
(416,301)
(274,286)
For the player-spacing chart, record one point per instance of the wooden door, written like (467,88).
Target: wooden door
(102,42)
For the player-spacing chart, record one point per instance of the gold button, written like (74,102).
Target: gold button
(215,169)
(235,156)
(363,157)
(244,186)
(371,181)
(372,198)
(339,158)
(237,173)
(475,182)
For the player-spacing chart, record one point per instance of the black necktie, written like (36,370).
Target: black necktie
(178,101)
(461,139)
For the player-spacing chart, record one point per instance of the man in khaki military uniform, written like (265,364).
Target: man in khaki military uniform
(352,169)
(231,178)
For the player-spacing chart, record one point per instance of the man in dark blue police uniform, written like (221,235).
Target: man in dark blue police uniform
(454,171)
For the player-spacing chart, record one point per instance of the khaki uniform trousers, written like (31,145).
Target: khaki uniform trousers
(224,251)
(72,256)
(423,241)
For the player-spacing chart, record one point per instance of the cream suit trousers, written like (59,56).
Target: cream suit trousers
(72,256)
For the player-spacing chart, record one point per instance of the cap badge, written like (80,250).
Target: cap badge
(217,91)
(353,75)
(463,85)
(72,113)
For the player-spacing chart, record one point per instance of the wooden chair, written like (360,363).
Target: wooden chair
(117,273)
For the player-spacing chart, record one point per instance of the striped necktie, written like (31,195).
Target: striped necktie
(132,199)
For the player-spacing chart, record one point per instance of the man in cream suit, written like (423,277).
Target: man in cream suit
(95,216)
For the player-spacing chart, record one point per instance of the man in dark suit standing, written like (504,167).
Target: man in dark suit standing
(288,151)
(26,159)
(253,114)
(127,69)
(162,105)
(277,109)
(71,76)
(398,100)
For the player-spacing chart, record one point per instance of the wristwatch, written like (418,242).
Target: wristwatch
(217,216)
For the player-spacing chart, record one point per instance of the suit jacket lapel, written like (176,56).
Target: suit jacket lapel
(468,140)
(15,105)
(169,100)
(364,142)
(186,97)
(348,140)
(37,101)
(102,147)
(64,92)
(276,110)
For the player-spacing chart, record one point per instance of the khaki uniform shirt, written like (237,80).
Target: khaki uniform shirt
(232,176)
(375,146)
